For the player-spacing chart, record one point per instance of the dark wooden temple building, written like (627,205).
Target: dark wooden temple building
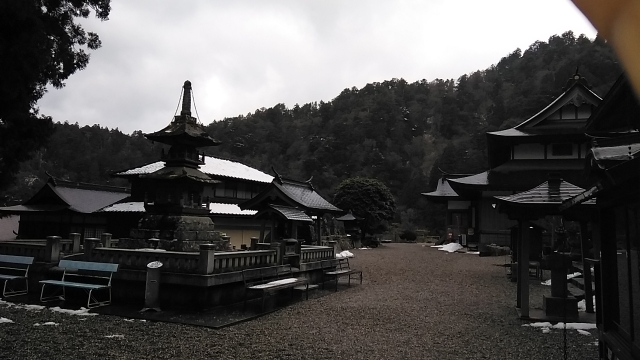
(521,158)
(614,161)
(62,207)
(289,207)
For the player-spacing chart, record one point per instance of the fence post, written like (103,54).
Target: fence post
(205,263)
(254,243)
(52,251)
(75,242)
(89,245)
(105,238)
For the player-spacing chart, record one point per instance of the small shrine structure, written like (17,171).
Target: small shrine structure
(290,206)
(524,207)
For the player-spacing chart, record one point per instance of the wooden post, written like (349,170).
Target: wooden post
(586,272)
(519,263)
(52,251)
(264,224)
(523,275)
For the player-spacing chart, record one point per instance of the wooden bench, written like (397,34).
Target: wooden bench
(14,268)
(338,268)
(88,276)
(271,279)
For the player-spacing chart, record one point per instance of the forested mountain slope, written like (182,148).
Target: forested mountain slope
(394,131)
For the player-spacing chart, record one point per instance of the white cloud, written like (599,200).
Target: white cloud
(244,55)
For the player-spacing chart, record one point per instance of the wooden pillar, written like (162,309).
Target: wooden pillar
(523,274)
(273,229)
(609,276)
(519,264)
(586,273)
(264,224)
(319,229)
(294,229)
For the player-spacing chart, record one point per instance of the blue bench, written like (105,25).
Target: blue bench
(14,268)
(88,276)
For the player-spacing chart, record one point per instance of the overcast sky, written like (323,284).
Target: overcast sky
(244,55)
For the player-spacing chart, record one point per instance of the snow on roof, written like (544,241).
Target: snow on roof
(133,206)
(229,209)
(212,166)
(215,208)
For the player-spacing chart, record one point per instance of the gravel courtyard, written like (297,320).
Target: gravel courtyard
(415,303)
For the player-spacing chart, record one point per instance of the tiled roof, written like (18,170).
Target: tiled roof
(546,193)
(347,217)
(229,209)
(213,166)
(443,190)
(305,195)
(179,172)
(291,213)
(477,179)
(87,201)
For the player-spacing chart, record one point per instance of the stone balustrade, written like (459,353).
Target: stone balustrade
(310,253)
(240,260)
(205,262)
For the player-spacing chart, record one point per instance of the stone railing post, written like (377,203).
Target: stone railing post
(52,251)
(89,245)
(105,239)
(254,243)
(75,242)
(205,262)
(226,241)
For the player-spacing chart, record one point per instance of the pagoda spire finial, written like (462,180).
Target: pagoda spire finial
(186,99)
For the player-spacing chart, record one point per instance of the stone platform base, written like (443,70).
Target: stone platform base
(561,307)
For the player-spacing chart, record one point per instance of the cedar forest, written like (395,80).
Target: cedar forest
(397,132)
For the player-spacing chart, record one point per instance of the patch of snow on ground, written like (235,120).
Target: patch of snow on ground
(575,326)
(81,312)
(569,276)
(452,247)
(582,305)
(546,327)
(473,252)
(48,323)
(5,320)
(22,306)
(149,249)
(119,337)
(344,254)
(364,248)
(437,246)
(575,274)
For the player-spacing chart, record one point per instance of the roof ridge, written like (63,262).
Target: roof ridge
(87,186)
